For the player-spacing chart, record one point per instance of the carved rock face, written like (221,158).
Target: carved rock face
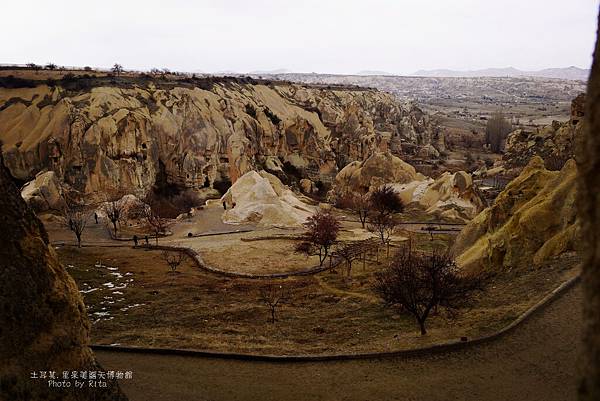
(109,138)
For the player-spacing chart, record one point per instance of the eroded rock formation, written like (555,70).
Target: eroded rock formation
(43,322)
(128,137)
(450,197)
(44,192)
(259,197)
(555,143)
(533,220)
(380,168)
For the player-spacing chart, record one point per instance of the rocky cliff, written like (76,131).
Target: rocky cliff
(533,220)
(43,322)
(104,136)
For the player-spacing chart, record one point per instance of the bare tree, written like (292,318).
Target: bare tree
(34,66)
(75,218)
(384,202)
(322,229)
(383,225)
(157,223)
(117,69)
(173,259)
(114,210)
(272,295)
(359,204)
(418,283)
(496,131)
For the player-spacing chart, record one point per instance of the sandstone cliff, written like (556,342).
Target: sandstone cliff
(533,220)
(110,136)
(44,326)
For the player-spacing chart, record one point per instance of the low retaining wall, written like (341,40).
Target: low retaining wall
(447,346)
(195,256)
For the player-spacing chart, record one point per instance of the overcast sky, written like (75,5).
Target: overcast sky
(327,36)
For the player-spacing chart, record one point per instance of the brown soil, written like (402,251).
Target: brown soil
(145,305)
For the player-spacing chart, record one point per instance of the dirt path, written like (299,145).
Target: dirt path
(535,362)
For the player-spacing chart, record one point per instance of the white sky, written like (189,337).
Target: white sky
(327,36)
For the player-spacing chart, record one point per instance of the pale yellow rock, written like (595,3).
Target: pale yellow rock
(379,169)
(450,196)
(44,193)
(533,220)
(261,198)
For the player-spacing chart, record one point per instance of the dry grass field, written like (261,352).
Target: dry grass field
(134,299)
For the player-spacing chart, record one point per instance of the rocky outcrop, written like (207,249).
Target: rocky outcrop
(128,137)
(381,168)
(307,186)
(451,196)
(554,143)
(261,198)
(44,326)
(44,192)
(533,220)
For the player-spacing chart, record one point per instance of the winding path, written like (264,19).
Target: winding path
(537,361)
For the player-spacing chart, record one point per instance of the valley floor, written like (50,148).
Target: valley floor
(133,299)
(536,362)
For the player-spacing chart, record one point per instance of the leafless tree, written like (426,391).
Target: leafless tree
(419,283)
(34,66)
(383,225)
(173,259)
(359,204)
(496,131)
(117,69)
(75,218)
(322,229)
(346,252)
(385,200)
(272,295)
(114,209)
(155,221)
(385,203)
